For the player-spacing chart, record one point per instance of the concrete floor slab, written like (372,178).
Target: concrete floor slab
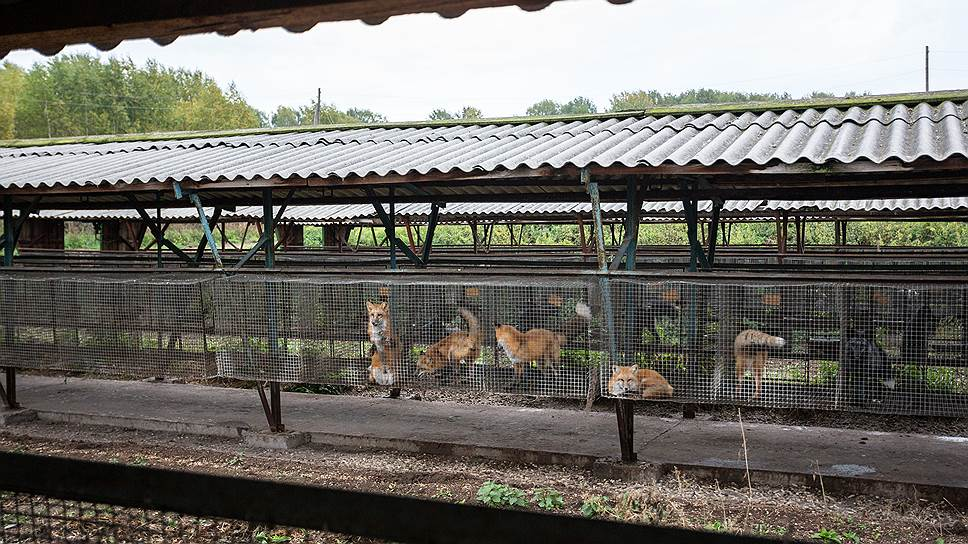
(777,453)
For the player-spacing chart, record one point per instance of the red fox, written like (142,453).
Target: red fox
(642,382)
(386,350)
(539,346)
(751,348)
(454,348)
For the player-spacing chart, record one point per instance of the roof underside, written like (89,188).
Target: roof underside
(48,25)
(520,159)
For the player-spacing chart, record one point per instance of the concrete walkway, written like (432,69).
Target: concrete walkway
(848,460)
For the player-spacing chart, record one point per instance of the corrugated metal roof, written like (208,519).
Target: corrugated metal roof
(879,204)
(328,213)
(874,133)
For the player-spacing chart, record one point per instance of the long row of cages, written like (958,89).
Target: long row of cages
(887,348)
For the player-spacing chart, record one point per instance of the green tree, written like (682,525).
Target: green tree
(11,85)
(440,114)
(632,100)
(285,116)
(544,108)
(578,106)
(73,95)
(366,116)
(470,112)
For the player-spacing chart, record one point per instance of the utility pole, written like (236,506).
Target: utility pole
(319,96)
(927,87)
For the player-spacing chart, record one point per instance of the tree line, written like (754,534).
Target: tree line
(79,95)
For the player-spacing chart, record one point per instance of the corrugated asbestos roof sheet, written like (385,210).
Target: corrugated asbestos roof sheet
(878,205)
(874,133)
(336,212)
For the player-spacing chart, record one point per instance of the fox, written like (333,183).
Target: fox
(385,352)
(641,382)
(750,348)
(539,346)
(458,347)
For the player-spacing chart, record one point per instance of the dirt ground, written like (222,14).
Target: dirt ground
(675,500)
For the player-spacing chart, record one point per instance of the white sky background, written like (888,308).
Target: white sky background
(502,60)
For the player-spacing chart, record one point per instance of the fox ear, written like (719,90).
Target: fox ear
(384,305)
(369,305)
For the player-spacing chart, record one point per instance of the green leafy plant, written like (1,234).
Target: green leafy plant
(595,506)
(716,526)
(263,537)
(501,495)
(547,499)
(830,536)
(766,529)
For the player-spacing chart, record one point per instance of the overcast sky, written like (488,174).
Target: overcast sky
(502,60)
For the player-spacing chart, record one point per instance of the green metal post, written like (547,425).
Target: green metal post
(9,244)
(268,228)
(633,211)
(207,228)
(9,240)
(714,231)
(391,229)
(155,233)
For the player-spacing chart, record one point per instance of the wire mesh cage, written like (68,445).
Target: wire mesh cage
(135,327)
(26,518)
(897,349)
(889,348)
(510,336)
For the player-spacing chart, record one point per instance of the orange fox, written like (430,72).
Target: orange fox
(458,347)
(539,346)
(751,348)
(386,350)
(642,382)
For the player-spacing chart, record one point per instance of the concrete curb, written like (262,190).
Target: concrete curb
(12,417)
(143,424)
(834,484)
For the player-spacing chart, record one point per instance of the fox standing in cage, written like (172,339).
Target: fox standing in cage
(539,346)
(458,347)
(386,349)
(751,347)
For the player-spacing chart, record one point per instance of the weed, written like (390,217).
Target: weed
(235,461)
(716,526)
(829,536)
(443,494)
(765,529)
(263,537)
(595,506)
(139,461)
(547,499)
(501,495)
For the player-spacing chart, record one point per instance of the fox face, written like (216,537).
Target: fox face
(624,381)
(377,314)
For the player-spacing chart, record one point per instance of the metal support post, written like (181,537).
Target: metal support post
(431,228)
(207,229)
(274,406)
(625,413)
(9,244)
(714,231)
